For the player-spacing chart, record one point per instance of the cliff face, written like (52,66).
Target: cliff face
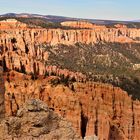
(60,36)
(93,108)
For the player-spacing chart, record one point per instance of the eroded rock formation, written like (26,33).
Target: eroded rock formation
(93,108)
(35,36)
(35,121)
(24,50)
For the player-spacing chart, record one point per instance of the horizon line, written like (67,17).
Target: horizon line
(133,20)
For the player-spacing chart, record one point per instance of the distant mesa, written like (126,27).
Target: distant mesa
(77,24)
(81,24)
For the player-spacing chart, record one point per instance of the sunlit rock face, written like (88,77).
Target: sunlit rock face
(93,34)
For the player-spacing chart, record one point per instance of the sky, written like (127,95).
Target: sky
(94,9)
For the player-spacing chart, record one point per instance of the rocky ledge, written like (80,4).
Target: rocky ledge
(35,121)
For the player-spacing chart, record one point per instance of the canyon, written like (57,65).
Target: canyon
(94,109)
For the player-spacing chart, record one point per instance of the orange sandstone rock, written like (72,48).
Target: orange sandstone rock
(93,108)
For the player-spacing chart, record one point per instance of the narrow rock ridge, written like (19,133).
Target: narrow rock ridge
(94,109)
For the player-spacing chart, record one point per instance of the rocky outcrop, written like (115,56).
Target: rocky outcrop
(94,109)
(35,121)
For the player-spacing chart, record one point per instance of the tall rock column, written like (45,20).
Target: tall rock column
(2,91)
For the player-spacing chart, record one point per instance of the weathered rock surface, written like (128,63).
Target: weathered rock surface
(93,108)
(35,121)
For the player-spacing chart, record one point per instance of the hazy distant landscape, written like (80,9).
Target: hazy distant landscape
(56,18)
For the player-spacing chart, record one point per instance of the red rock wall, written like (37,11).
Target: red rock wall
(93,108)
